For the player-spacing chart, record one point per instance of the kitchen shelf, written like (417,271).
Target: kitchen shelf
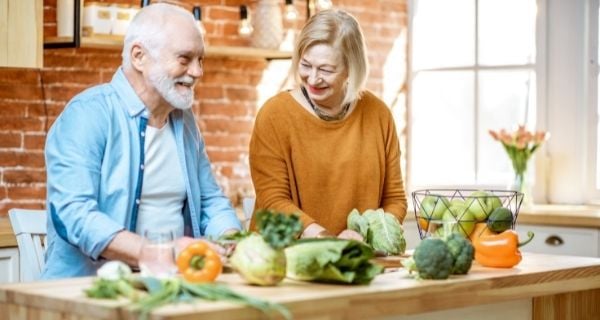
(115,42)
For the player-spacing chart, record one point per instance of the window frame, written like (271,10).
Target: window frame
(536,67)
(567,72)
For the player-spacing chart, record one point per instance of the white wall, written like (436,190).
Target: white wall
(564,113)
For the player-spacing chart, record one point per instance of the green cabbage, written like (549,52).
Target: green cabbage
(259,258)
(358,223)
(383,231)
(331,260)
(258,262)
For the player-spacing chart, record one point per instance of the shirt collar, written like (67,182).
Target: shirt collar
(133,103)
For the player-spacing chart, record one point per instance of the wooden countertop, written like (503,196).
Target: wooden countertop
(7,237)
(392,293)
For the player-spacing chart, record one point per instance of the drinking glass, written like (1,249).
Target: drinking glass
(440,228)
(157,254)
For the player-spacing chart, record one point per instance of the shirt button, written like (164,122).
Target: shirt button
(143,134)
(142,167)
(137,201)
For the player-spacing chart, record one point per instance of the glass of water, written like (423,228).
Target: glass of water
(441,228)
(157,254)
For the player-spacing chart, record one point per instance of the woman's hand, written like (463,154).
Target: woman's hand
(350,235)
(315,230)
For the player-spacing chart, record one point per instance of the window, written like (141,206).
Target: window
(473,68)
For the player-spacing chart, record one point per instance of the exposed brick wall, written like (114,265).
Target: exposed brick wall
(227,97)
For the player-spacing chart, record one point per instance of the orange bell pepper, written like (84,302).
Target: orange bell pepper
(480,230)
(199,263)
(499,250)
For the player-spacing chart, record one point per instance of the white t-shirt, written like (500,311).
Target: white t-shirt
(163,188)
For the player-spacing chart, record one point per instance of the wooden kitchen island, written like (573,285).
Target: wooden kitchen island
(541,287)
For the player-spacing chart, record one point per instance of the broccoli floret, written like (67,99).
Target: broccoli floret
(433,259)
(462,251)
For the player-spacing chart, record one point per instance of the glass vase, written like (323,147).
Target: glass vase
(521,184)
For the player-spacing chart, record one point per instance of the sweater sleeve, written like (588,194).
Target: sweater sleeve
(394,196)
(268,165)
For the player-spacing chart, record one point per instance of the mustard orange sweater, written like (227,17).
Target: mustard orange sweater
(323,169)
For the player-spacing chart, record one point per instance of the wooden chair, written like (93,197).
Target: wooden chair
(29,227)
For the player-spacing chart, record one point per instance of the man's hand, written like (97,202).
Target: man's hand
(125,246)
(182,243)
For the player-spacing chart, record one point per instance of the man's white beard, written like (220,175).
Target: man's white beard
(166,88)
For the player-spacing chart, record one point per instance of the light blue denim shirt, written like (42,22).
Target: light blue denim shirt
(95,163)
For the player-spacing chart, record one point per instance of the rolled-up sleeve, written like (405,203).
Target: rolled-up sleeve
(74,154)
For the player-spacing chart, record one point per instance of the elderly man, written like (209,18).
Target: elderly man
(127,156)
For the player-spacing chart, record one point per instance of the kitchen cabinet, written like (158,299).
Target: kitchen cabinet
(9,254)
(9,265)
(558,240)
(21,33)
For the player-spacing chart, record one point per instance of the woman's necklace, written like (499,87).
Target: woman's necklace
(322,115)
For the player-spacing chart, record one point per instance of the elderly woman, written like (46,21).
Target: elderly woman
(329,145)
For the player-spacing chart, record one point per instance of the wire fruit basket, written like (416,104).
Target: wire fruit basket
(459,210)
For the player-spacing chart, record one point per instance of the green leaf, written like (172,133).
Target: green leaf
(331,260)
(358,223)
(278,229)
(386,233)
(103,289)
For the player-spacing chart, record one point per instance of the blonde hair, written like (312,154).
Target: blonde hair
(340,30)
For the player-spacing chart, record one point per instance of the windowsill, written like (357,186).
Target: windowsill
(561,215)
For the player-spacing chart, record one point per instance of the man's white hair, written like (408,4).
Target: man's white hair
(148,28)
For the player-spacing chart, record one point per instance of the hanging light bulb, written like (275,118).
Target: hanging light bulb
(245,28)
(323,4)
(291,14)
(198,16)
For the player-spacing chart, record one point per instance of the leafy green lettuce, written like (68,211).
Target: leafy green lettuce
(331,260)
(381,230)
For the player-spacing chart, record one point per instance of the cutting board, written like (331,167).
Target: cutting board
(390,261)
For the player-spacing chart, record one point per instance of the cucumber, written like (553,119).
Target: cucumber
(500,220)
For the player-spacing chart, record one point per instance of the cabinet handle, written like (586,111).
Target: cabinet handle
(554,240)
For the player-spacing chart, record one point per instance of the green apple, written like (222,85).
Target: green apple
(482,203)
(466,223)
(457,207)
(462,225)
(494,202)
(433,207)
(477,204)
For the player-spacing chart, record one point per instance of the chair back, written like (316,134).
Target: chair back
(30,230)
